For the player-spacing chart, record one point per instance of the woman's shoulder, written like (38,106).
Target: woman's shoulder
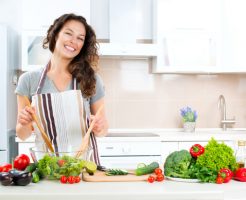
(32,75)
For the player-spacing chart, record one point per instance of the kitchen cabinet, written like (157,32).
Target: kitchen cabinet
(188,34)
(124,28)
(234,40)
(39,15)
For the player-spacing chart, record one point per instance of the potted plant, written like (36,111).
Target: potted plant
(189,117)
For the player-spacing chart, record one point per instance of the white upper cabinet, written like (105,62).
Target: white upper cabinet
(124,28)
(188,34)
(40,14)
(234,37)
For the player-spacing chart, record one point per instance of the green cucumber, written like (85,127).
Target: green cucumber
(148,169)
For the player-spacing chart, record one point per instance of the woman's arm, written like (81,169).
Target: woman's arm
(101,124)
(24,118)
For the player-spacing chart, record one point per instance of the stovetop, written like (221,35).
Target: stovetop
(133,135)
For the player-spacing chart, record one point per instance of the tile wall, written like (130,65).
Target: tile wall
(136,98)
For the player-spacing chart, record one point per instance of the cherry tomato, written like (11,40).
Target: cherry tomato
(151,179)
(61,162)
(219,180)
(158,171)
(63,179)
(6,167)
(159,177)
(77,179)
(71,179)
(21,162)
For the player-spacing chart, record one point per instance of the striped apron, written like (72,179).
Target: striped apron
(63,117)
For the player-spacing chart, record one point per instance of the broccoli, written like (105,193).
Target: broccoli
(177,164)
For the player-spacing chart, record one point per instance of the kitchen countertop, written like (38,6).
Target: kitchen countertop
(169,135)
(168,190)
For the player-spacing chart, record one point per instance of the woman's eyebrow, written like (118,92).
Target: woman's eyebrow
(68,29)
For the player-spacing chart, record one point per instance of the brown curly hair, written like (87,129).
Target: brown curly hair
(83,66)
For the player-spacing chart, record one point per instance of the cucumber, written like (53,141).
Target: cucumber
(148,169)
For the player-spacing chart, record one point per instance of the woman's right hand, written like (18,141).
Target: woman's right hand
(25,115)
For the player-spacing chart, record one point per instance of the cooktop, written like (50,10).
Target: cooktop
(132,135)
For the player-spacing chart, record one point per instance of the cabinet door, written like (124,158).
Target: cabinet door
(166,149)
(40,14)
(234,40)
(190,40)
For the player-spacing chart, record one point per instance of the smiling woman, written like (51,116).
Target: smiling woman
(66,93)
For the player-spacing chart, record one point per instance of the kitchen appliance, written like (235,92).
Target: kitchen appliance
(8,62)
(127,150)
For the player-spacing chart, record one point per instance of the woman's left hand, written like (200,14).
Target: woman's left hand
(100,123)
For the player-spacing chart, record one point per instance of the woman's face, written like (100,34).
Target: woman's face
(70,39)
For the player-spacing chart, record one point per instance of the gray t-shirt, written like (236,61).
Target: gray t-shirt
(28,83)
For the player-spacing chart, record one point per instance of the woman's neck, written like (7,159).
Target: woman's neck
(58,64)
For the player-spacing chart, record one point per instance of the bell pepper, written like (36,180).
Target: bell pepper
(226,174)
(196,150)
(240,174)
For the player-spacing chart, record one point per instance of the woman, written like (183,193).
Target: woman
(72,43)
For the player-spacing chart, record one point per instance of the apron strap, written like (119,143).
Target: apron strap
(42,79)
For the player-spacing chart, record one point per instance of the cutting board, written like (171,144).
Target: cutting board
(100,176)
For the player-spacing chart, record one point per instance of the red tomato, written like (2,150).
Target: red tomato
(159,177)
(219,180)
(151,179)
(63,179)
(1,168)
(71,179)
(77,179)
(158,171)
(61,162)
(6,167)
(21,162)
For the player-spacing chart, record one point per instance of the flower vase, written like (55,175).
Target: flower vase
(189,126)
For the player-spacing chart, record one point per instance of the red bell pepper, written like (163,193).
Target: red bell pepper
(240,174)
(196,150)
(226,174)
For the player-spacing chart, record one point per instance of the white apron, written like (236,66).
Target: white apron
(63,117)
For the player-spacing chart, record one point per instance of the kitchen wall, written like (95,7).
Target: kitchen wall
(136,98)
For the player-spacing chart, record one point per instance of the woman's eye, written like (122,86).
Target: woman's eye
(68,33)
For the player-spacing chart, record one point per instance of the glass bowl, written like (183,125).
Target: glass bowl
(38,154)
(52,165)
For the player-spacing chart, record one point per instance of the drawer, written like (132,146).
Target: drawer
(129,148)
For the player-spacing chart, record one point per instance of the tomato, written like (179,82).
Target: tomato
(63,179)
(151,179)
(21,162)
(158,171)
(71,179)
(219,180)
(1,168)
(77,179)
(61,162)
(6,167)
(159,177)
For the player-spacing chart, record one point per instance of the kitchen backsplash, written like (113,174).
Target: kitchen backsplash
(136,98)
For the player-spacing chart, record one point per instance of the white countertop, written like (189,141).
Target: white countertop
(171,135)
(168,190)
